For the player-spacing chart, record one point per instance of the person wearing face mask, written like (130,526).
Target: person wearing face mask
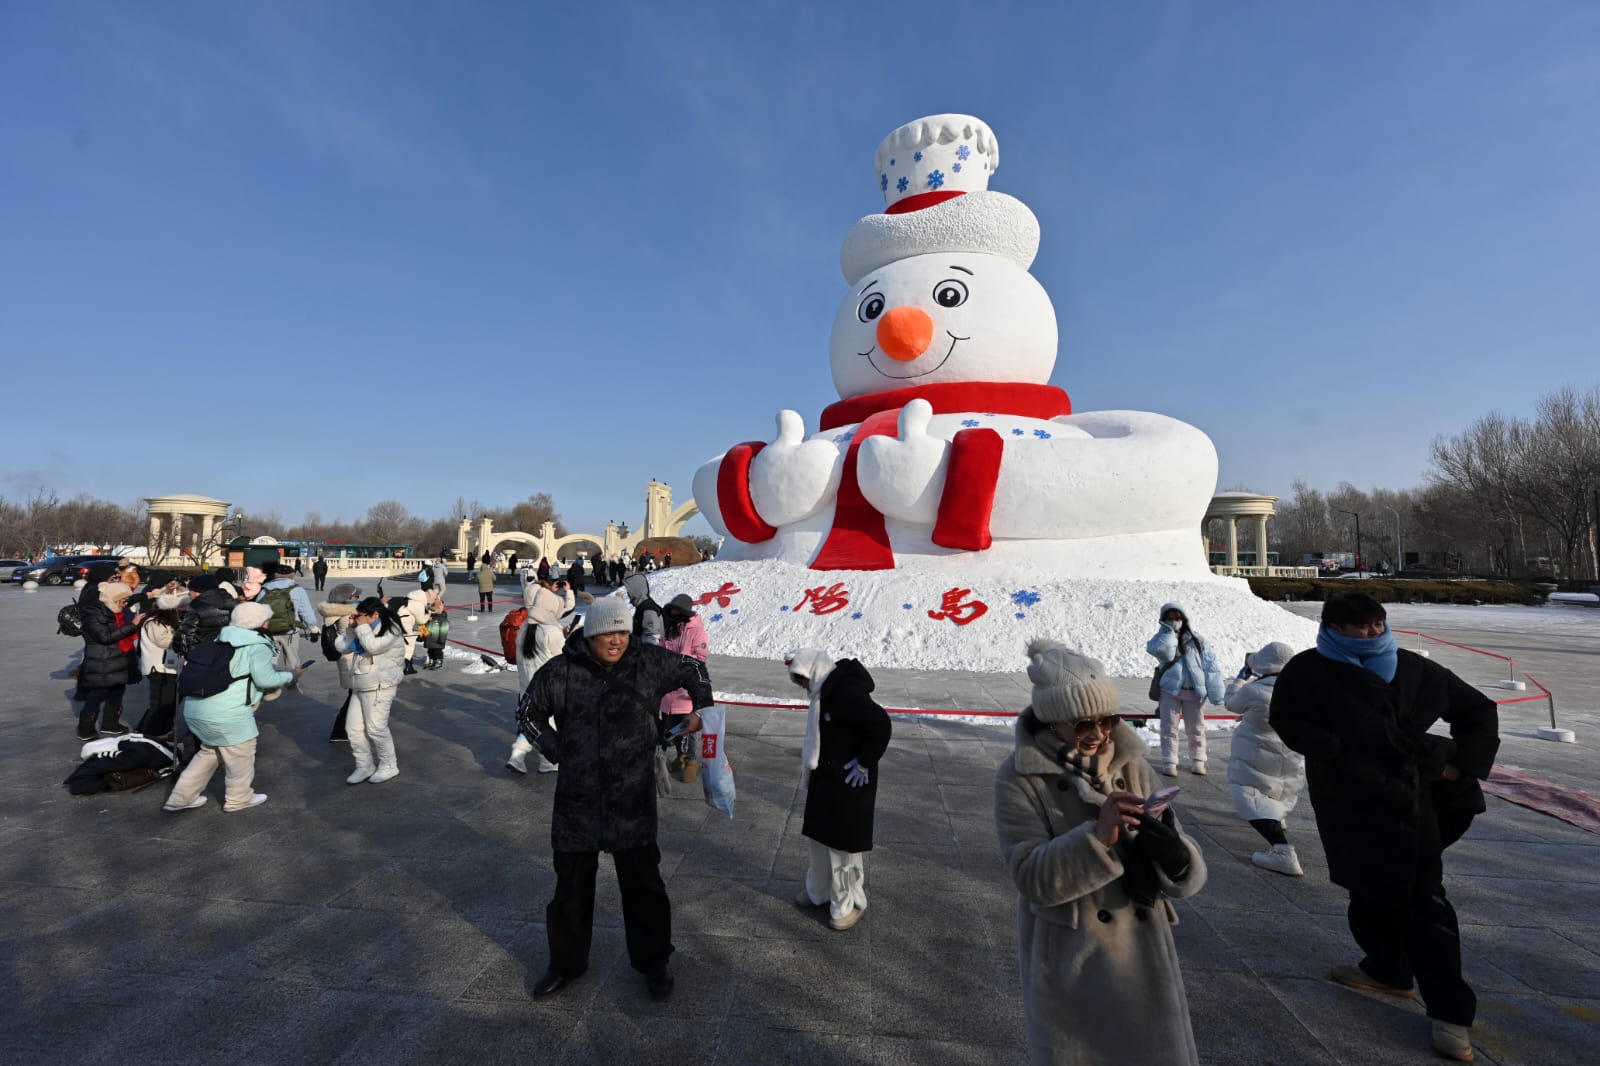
(1095,873)
(1189,676)
(846,736)
(1389,797)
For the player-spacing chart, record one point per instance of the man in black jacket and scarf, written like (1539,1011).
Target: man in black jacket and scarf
(603,694)
(1389,798)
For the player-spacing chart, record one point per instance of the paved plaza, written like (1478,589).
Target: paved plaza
(403,923)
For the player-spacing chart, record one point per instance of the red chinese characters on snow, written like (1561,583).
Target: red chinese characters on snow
(957,608)
(723,596)
(825,599)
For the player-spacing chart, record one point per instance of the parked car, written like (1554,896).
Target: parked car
(60,569)
(8,565)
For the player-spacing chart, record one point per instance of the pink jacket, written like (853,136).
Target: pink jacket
(691,640)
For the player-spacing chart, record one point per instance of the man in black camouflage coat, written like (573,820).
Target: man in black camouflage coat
(602,694)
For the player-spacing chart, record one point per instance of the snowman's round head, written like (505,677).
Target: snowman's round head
(942,317)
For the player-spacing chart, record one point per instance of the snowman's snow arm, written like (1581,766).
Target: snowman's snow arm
(759,488)
(1136,472)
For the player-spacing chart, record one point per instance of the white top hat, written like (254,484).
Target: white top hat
(939,154)
(934,176)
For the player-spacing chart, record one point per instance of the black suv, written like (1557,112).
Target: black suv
(61,569)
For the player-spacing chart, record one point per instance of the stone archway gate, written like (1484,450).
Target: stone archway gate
(660,520)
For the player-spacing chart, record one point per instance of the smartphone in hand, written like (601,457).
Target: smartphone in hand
(1158,800)
(308,664)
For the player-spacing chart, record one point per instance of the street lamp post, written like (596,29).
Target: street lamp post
(1357,517)
(1399,554)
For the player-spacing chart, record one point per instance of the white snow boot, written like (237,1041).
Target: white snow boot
(1280,860)
(519,755)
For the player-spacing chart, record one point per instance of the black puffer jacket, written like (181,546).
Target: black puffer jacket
(852,726)
(104,664)
(207,614)
(1369,756)
(608,730)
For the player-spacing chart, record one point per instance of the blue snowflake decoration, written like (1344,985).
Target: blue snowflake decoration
(969,422)
(905,607)
(956,167)
(1025,597)
(783,607)
(902,184)
(935,179)
(844,438)
(1016,432)
(891,162)
(917,158)
(1020,616)
(1042,434)
(883,182)
(734,611)
(716,618)
(963,152)
(857,615)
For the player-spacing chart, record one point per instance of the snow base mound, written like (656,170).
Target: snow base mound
(966,618)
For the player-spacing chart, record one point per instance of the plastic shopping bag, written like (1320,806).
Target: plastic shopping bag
(663,778)
(716,775)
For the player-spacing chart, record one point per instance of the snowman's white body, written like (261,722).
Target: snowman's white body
(1101,492)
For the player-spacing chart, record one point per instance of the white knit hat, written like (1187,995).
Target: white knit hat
(1068,686)
(608,614)
(250,615)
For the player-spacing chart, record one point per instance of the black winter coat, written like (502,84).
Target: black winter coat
(203,621)
(607,731)
(1369,755)
(852,726)
(104,664)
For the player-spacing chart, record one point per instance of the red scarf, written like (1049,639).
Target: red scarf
(859,539)
(126,643)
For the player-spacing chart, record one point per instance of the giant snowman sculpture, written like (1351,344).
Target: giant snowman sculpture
(950,458)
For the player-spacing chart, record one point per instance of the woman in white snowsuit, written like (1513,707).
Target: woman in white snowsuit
(1264,775)
(1095,876)
(375,647)
(539,640)
(1190,677)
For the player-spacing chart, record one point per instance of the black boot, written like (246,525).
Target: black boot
(111,721)
(86,729)
(410,668)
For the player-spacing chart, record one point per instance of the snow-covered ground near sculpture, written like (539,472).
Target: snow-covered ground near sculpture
(1558,619)
(966,615)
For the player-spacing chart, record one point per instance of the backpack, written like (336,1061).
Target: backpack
(508,632)
(69,621)
(283,618)
(330,649)
(208,670)
(646,604)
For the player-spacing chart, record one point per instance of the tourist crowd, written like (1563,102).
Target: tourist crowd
(1090,836)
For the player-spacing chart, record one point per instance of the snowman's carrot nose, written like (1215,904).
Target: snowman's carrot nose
(905,332)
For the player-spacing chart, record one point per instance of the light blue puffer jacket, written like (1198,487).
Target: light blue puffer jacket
(1198,669)
(229,717)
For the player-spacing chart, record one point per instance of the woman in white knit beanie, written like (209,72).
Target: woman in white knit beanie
(1095,872)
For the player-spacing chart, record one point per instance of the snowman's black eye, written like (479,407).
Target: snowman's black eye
(950,293)
(870,308)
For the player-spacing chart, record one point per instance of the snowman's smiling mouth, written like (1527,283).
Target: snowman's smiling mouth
(870,352)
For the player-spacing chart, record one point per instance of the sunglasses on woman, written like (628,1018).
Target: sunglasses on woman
(1104,725)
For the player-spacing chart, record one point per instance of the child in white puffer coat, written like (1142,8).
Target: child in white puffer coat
(1264,775)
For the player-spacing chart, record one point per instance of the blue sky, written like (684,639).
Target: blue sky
(309,256)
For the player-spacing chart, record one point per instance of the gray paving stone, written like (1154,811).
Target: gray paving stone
(403,922)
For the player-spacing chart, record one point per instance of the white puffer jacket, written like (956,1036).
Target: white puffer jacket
(1264,775)
(375,661)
